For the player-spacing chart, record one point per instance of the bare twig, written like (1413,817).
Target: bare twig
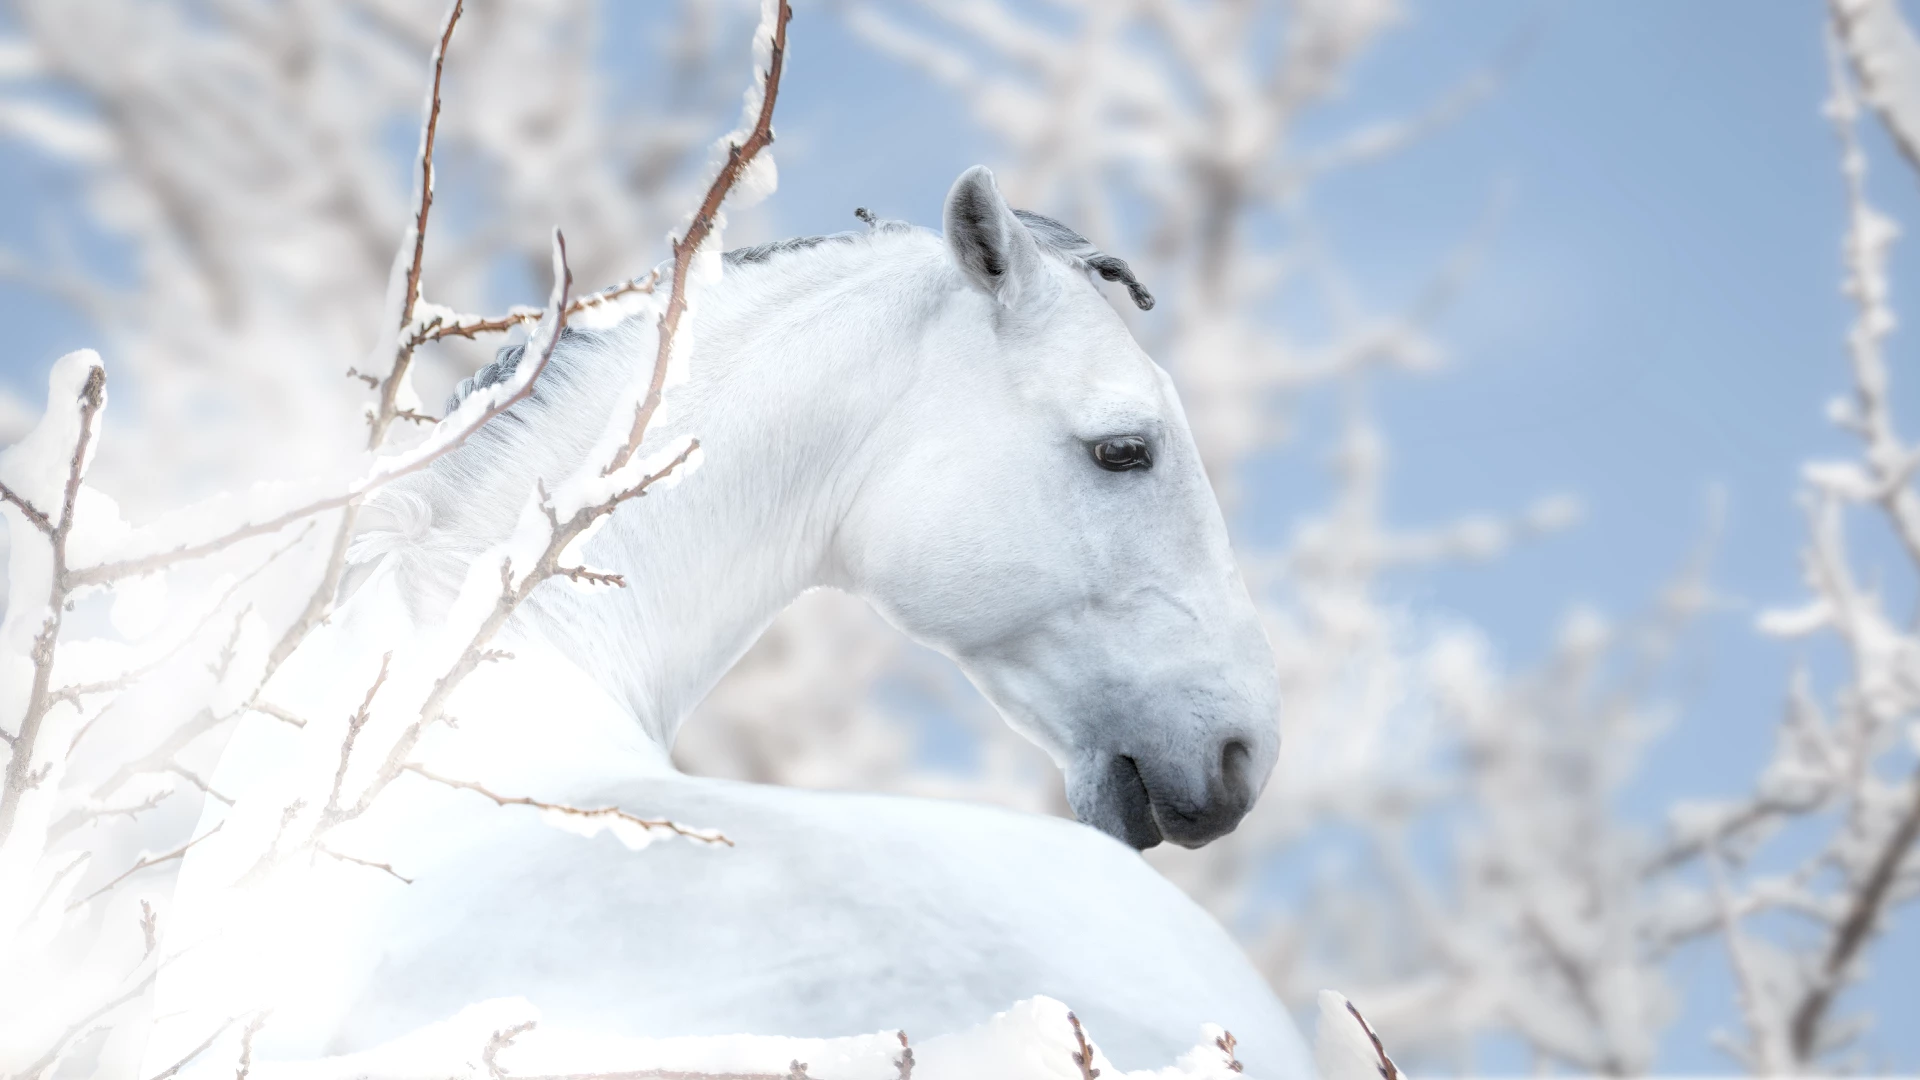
(275,711)
(403,349)
(500,1041)
(144,863)
(1083,1056)
(133,675)
(370,864)
(1388,1071)
(905,1061)
(173,1069)
(246,1044)
(472,326)
(591,577)
(354,723)
(1885,55)
(685,247)
(19,773)
(1864,909)
(1226,1042)
(85,1023)
(705,836)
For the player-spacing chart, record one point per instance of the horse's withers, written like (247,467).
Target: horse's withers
(1112,626)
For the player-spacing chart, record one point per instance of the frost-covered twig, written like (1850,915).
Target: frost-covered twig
(394,394)
(146,862)
(1843,779)
(1885,56)
(55,526)
(905,1061)
(594,492)
(451,325)
(740,156)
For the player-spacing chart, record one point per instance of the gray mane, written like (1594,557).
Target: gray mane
(1069,246)
(1052,236)
(1079,251)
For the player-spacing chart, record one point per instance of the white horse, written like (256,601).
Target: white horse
(958,429)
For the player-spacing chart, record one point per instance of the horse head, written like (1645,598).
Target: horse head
(1037,510)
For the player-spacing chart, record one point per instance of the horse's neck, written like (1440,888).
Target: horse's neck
(710,563)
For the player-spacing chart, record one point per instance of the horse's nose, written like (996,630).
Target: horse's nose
(1237,783)
(1228,781)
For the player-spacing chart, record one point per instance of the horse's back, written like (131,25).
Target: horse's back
(834,914)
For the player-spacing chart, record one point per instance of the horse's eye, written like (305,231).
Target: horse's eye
(1119,455)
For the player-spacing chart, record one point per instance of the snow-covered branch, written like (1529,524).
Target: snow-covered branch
(1844,779)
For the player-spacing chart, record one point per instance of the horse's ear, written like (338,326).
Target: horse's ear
(988,241)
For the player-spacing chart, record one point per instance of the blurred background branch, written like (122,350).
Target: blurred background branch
(1457,835)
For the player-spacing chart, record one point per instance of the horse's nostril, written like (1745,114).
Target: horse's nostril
(1236,763)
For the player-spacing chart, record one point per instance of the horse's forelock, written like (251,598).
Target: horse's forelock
(1081,252)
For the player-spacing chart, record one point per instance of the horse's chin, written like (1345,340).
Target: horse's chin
(1114,799)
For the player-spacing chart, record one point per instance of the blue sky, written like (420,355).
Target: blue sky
(1657,317)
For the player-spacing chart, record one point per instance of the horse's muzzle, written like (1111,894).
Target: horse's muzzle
(1143,806)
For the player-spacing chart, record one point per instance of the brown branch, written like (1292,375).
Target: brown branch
(102,813)
(344,857)
(705,836)
(19,775)
(33,514)
(432,710)
(134,675)
(47,1059)
(219,668)
(53,884)
(1226,1042)
(103,573)
(500,1041)
(194,778)
(1855,928)
(472,326)
(144,863)
(149,927)
(1754,814)
(905,1061)
(684,248)
(545,338)
(157,759)
(591,577)
(1385,1064)
(383,418)
(354,723)
(1083,1057)
(276,712)
(403,350)
(175,1068)
(320,601)
(503,1039)
(246,1043)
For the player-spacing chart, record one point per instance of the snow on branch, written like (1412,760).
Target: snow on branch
(40,480)
(1844,779)
(208,663)
(742,150)
(1885,56)
(396,394)
(506,1039)
(552,523)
